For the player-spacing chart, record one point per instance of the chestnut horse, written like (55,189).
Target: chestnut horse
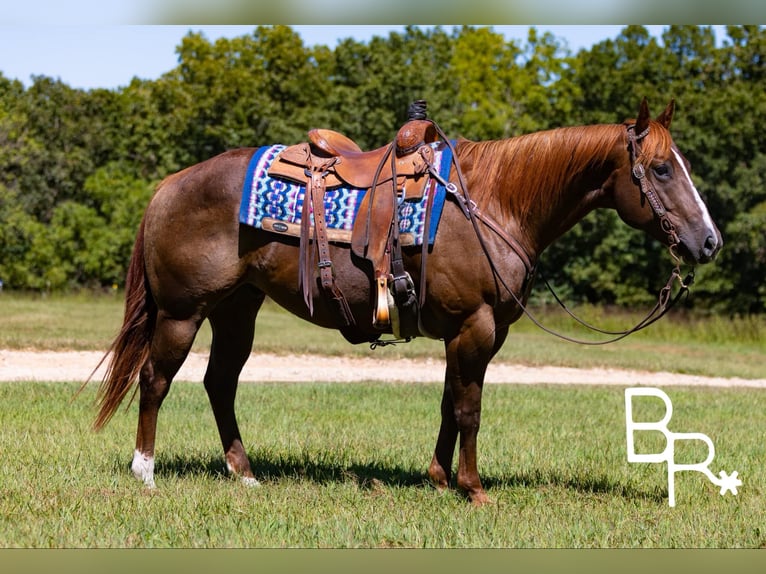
(193,261)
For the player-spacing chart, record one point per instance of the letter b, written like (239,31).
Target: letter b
(661,425)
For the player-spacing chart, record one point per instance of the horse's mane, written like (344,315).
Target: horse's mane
(519,173)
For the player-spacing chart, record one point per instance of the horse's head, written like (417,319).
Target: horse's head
(656,194)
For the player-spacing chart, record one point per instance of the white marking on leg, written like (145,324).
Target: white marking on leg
(701,204)
(143,468)
(246,480)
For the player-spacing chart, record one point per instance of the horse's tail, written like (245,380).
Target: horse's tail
(130,349)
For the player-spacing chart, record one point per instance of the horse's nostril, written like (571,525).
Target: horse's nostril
(710,246)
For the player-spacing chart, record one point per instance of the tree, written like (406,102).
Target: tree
(25,252)
(488,78)
(372,85)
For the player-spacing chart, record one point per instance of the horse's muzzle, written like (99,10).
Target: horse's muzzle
(705,253)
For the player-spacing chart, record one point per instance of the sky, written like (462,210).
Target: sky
(88,56)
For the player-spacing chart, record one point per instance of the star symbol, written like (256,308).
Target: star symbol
(729,482)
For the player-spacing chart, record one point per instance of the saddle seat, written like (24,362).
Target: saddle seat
(410,136)
(333,143)
(358,168)
(352,164)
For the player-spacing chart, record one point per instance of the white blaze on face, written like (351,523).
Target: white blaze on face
(701,204)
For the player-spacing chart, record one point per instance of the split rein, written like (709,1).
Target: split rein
(665,300)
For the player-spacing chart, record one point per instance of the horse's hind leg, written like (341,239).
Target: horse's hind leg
(170,346)
(233,325)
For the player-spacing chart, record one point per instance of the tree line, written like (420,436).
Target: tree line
(77,167)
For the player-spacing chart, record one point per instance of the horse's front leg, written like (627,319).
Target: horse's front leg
(468,355)
(441,463)
(461,417)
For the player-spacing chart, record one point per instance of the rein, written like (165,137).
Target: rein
(665,301)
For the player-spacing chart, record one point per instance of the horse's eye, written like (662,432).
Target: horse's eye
(661,170)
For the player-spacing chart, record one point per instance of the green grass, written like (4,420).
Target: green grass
(712,346)
(343,465)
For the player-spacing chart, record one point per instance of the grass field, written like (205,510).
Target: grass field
(344,465)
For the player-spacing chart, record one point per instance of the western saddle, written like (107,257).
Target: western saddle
(399,170)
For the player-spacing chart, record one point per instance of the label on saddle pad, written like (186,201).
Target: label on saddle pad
(276,204)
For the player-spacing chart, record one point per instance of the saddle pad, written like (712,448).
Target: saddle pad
(276,204)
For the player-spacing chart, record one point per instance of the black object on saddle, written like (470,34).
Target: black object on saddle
(417,110)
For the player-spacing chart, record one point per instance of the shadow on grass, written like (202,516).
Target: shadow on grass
(321,468)
(273,468)
(586,484)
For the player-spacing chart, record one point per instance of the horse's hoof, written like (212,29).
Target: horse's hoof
(250,482)
(479,499)
(142,468)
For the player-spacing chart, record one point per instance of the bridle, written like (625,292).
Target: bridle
(665,300)
(648,191)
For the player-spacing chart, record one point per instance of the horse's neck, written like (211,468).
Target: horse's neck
(546,182)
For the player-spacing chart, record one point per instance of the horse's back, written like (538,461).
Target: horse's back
(218,179)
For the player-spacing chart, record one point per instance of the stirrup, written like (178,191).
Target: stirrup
(382,317)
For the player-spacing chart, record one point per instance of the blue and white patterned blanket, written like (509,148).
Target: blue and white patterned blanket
(270,199)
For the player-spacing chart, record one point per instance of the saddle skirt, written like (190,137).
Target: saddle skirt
(275,204)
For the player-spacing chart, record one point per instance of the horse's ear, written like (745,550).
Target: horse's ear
(642,123)
(666,116)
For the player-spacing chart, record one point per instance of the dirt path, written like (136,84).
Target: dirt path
(77,366)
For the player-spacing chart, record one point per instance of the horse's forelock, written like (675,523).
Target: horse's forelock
(656,145)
